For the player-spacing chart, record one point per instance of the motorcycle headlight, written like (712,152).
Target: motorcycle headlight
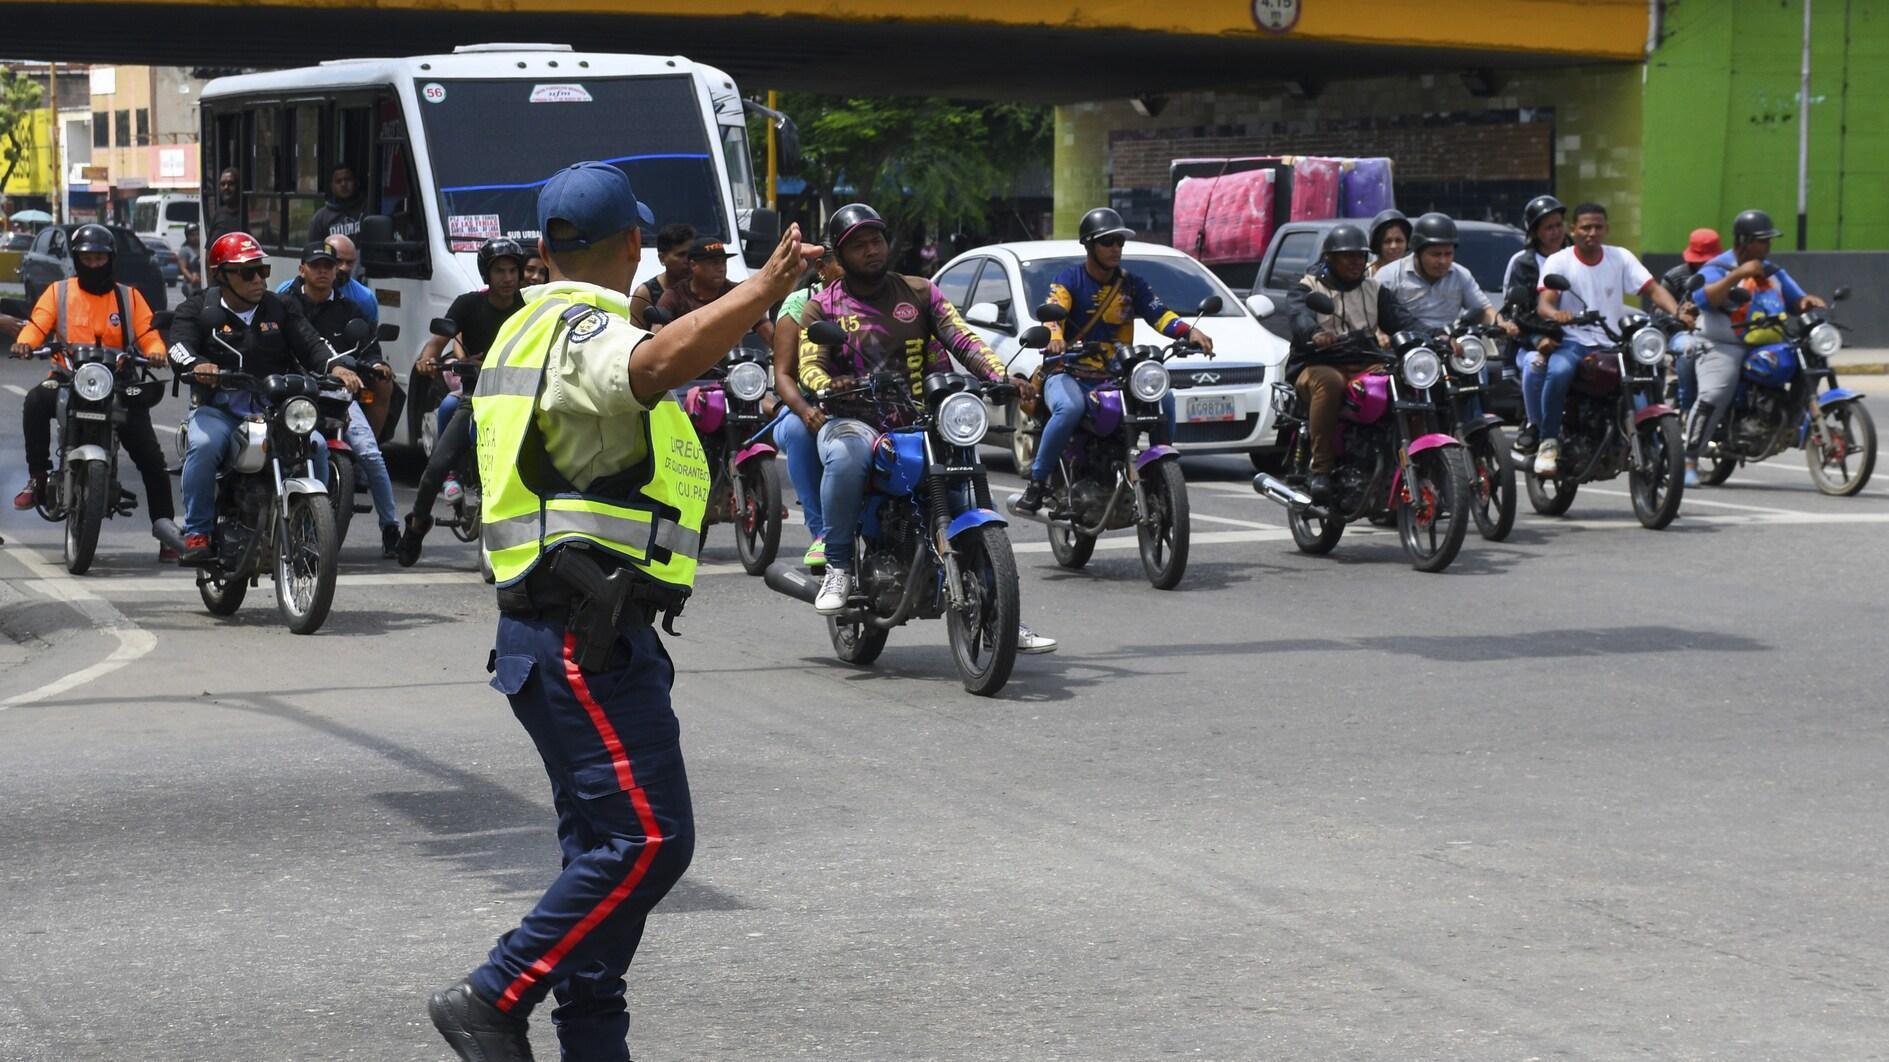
(1149,381)
(298,416)
(962,419)
(1824,339)
(93,382)
(1422,368)
(747,381)
(1649,345)
(1472,356)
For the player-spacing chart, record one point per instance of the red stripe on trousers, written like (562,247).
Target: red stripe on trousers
(652,837)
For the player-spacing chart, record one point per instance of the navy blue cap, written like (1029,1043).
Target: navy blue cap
(594,197)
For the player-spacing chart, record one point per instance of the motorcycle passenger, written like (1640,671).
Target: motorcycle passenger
(1390,237)
(270,336)
(796,434)
(1701,247)
(1361,302)
(479,315)
(346,258)
(536,272)
(1545,221)
(313,290)
(1600,277)
(1732,330)
(89,308)
(706,282)
(1103,301)
(672,253)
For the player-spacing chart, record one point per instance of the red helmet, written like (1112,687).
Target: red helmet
(235,248)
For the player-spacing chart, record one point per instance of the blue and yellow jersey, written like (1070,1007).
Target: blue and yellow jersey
(1083,296)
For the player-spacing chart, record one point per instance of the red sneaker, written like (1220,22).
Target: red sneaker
(196,547)
(28,496)
(166,555)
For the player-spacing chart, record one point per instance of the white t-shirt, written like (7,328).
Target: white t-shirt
(1604,287)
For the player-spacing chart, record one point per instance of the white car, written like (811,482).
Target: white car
(1221,405)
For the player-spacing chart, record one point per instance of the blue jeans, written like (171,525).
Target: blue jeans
(1545,390)
(1068,398)
(846,457)
(212,437)
(360,436)
(1686,366)
(803,469)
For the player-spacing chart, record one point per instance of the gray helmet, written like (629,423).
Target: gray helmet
(1753,225)
(1385,219)
(1432,229)
(1346,237)
(1100,222)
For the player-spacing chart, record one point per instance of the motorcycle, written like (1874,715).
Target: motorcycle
(745,480)
(269,511)
(1393,457)
(1614,421)
(98,386)
(1104,480)
(930,542)
(466,523)
(344,470)
(1474,347)
(1779,406)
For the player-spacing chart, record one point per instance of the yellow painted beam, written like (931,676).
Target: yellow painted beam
(1601,29)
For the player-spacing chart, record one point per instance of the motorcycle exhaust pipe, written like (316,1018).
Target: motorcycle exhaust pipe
(785,578)
(169,533)
(1281,491)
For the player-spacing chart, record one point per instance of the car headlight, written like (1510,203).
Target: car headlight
(1825,339)
(747,381)
(298,416)
(1422,368)
(1472,356)
(1148,381)
(93,382)
(1649,345)
(962,419)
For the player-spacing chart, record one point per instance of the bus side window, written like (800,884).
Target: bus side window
(396,197)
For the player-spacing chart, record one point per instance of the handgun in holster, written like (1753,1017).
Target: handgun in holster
(597,602)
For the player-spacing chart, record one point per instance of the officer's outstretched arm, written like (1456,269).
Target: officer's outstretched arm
(685,349)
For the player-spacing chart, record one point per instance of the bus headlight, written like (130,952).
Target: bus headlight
(1149,381)
(298,416)
(1472,355)
(747,381)
(963,420)
(1422,368)
(1648,345)
(93,382)
(1824,339)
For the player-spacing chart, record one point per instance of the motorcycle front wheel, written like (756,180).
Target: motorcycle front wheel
(1550,497)
(1314,534)
(1071,548)
(85,513)
(1492,484)
(1163,528)
(1433,522)
(984,632)
(342,474)
(305,563)
(758,521)
(858,644)
(1842,468)
(1659,482)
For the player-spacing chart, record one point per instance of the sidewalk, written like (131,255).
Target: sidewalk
(1862,361)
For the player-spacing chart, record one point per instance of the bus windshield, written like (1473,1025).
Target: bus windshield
(495,142)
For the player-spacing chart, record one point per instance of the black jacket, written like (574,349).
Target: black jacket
(330,318)
(1392,318)
(278,340)
(1522,298)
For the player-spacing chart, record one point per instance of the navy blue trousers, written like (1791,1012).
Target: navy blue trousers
(610,744)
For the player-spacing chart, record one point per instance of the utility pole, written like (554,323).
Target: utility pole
(58,130)
(1803,137)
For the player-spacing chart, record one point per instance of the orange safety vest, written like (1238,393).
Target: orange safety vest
(74,316)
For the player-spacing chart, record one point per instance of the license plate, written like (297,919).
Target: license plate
(81,415)
(1203,408)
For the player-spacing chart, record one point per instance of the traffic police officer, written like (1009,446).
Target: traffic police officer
(595,486)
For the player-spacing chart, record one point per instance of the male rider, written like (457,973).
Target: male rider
(346,258)
(1360,303)
(1600,277)
(707,281)
(479,314)
(1103,300)
(237,324)
(1732,330)
(1545,220)
(90,309)
(673,242)
(1701,247)
(313,291)
(341,214)
(1433,288)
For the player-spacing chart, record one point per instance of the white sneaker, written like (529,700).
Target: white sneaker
(1547,458)
(1029,642)
(834,588)
(451,490)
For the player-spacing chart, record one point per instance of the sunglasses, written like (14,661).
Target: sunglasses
(249,272)
(1111,241)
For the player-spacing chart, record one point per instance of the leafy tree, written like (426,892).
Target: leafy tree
(20,96)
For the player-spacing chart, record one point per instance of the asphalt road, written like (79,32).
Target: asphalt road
(1596,793)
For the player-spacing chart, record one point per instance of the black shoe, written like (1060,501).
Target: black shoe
(1033,497)
(389,541)
(1525,441)
(476,1030)
(407,549)
(1318,487)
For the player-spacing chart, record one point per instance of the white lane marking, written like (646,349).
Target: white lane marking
(185,582)
(1683,502)
(134,641)
(16,389)
(1236,523)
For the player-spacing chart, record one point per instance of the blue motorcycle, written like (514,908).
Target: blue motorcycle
(1782,403)
(930,542)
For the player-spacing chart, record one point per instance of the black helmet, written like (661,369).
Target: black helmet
(1538,209)
(496,248)
(1100,222)
(1345,237)
(1753,225)
(93,238)
(1432,229)
(1385,219)
(850,219)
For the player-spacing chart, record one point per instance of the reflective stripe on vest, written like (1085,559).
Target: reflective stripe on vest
(658,531)
(61,316)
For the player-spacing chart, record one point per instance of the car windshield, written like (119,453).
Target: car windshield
(1182,283)
(1486,253)
(650,127)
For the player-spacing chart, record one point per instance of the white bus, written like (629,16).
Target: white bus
(450,150)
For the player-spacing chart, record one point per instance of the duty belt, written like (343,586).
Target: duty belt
(593,600)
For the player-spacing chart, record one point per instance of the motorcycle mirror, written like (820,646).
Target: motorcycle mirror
(355,332)
(162,319)
(827,334)
(1261,306)
(1050,312)
(1840,294)
(387,333)
(443,327)
(1695,282)
(1209,306)
(1319,302)
(1737,297)
(1556,282)
(1035,337)
(656,315)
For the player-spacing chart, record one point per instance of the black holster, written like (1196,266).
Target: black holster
(594,600)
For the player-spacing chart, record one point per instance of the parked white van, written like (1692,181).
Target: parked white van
(165,216)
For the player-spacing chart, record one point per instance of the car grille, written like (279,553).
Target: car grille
(1223,431)
(1215,376)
